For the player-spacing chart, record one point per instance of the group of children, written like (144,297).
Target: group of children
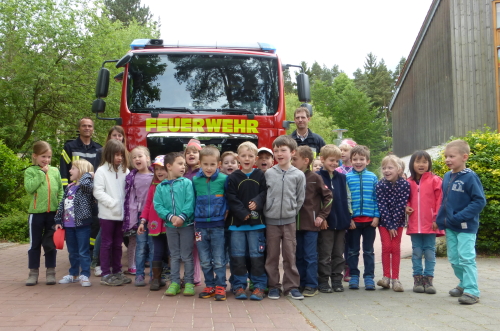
(199,205)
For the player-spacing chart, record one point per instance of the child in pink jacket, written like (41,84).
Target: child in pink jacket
(423,206)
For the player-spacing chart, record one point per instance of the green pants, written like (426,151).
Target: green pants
(462,256)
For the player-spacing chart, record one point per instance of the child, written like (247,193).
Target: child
(332,236)
(265,159)
(246,194)
(345,148)
(393,192)
(210,211)
(154,227)
(75,216)
(192,156)
(423,205)
(174,203)
(317,165)
(137,185)
(285,196)
(463,201)
(314,211)
(109,188)
(364,220)
(44,183)
(228,163)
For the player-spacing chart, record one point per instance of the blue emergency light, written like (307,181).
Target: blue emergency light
(154,43)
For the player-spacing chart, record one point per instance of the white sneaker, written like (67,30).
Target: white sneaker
(97,271)
(84,280)
(68,279)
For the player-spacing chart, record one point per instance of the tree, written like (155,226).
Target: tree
(126,11)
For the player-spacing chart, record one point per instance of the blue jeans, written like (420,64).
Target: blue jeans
(307,258)
(78,243)
(423,245)
(212,255)
(97,248)
(461,248)
(144,241)
(367,231)
(251,242)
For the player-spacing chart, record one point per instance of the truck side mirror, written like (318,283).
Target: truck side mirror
(102,86)
(303,89)
(98,106)
(309,107)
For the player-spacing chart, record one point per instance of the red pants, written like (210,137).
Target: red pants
(391,252)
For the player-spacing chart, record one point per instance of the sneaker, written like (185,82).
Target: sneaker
(347,276)
(68,279)
(274,294)
(189,290)
(295,294)
(131,271)
(97,271)
(337,286)
(385,282)
(240,294)
(468,299)
(139,281)
(257,294)
(369,284)
(354,282)
(173,289)
(84,280)
(220,293)
(124,278)
(456,292)
(207,292)
(309,291)
(397,286)
(111,280)
(325,288)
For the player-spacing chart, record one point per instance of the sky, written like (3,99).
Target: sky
(330,32)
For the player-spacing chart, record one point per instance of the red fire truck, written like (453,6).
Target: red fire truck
(221,94)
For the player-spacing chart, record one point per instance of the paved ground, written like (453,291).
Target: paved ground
(71,307)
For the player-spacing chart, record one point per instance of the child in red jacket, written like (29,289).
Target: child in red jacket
(423,206)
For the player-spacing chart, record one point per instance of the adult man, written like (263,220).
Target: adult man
(82,147)
(303,135)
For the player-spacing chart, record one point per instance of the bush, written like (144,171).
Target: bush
(15,227)
(484,159)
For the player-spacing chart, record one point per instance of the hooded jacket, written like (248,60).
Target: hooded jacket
(242,189)
(363,196)
(130,219)
(210,206)
(317,203)
(425,199)
(46,189)
(313,140)
(392,199)
(74,150)
(285,195)
(463,201)
(155,223)
(340,214)
(82,204)
(109,191)
(175,198)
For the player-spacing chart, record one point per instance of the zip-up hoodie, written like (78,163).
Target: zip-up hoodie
(46,189)
(130,219)
(175,198)
(317,203)
(285,195)
(109,191)
(363,196)
(425,199)
(82,203)
(155,223)
(392,199)
(463,201)
(340,213)
(210,206)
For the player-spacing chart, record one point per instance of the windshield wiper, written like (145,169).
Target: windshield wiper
(250,113)
(158,109)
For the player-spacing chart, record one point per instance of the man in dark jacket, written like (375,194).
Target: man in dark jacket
(303,135)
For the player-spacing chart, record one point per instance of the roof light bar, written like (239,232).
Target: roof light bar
(153,43)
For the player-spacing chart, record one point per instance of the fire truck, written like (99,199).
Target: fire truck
(222,94)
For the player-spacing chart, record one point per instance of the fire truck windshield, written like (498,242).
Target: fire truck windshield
(203,83)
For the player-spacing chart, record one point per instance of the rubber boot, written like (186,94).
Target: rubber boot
(418,285)
(32,278)
(155,281)
(429,288)
(50,276)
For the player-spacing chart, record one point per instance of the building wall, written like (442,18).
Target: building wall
(423,112)
(473,65)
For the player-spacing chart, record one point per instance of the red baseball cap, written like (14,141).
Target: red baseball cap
(59,238)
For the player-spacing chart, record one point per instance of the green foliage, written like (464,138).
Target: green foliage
(14,227)
(126,11)
(11,179)
(484,160)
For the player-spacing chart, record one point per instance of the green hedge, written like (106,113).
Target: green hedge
(14,227)
(484,159)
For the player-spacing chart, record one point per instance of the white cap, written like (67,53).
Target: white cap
(265,149)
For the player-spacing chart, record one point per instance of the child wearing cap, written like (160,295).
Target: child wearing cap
(345,148)
(264,158)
